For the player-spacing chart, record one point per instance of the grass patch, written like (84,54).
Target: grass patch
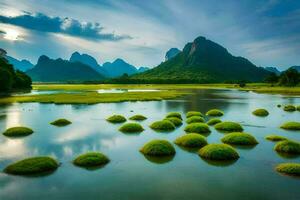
(239,138)
(32,166)
(163,125)
(197,128)
(194,119)
(218,152)
(116,119)
(158,148)
(213,121)
(288,146)
(176,121)
(61,122)
(138,117)
(291,126)
(289,108)
(91,159)
(260,112)
(215,112)
(191,140)
(193,113)
(131,128)
(275,138)
(18,132)
(174,114)
(289,168)
(229,126)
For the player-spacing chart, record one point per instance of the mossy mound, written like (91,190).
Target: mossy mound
(275,138)
(131,128)
(298,108)
(91,159)
(229,126)
(32,166)
(191,140)
(288,146)
(289,108)
(197,128)
(278,105)
(289,168)
(138,117)
(239,138)
(193,113)
(158,148)
(163,125)
(18,132)
(214,112)
(176,121)
(218,152)
(291,126)
(116,119)
(61,122)
(174,114)
(260,112)
(194,119)
(213,121)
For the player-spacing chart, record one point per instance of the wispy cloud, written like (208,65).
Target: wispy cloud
(69,26)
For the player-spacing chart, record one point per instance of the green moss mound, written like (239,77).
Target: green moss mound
(289,168)
(174,114)
(197,128)
(214,112)
(275,138)
(164,125)
(194,119)
(288,146)
(291,126)
(193,113)
(260,112)
(298,108)
(191,140)
(61,122)
(213,121)
(278,105)
(116,119)
(138,117)
(229,126)
(131,128)
(158,148)
(239,138)
(91,159)
(289,108)
(32,166)
(18,132)
(218,152)
(176,121)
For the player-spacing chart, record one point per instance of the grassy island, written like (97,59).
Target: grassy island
(158,148)
(228,126)
(289,168)
(18,132)
(91,159)
(176,121)
(200,128)
(288,146)
(174,114)
(131,128)
(116,119)
(218,152)
(138,117)
(289,108)
(239,138)
(260,112)
(163,125)
(213,121)
(194,119)
(61,122)
(215,112)
(191,140)
(275,138)
(193,113)
(295,126)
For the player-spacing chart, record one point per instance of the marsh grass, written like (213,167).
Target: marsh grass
(191,140)
(131,128)
(116,119)
(163,125)
(194,119)
(213,121)
(295,126)
(215,113)
(158,148)
(289,168)
(18,132)
(91,159)
(218,152)
(260,112)
(61,122)
(229,126)
(239,138)
(200,128)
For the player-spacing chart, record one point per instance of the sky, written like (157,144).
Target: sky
(267,32)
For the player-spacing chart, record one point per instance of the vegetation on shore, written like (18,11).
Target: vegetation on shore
(215,113)
(194,119)
(163,125)
(288,146)
(193,113)
(174,114)
(213,121)
(158,148)
(61,122)
(138,117)
(17,132)
(289,168)
(131,128)
(32,166)
(291,126)
(218,152)
(228,126)
(191,140)
(275,138)
(200,128)
(176,121)
(261,112)
(91,159)
(239,138)
(116,119)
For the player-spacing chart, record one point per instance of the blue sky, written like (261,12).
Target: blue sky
(267,32)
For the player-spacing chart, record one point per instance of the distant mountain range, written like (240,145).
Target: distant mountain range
(296,68)
(203,61)
(171,53)
(22,65)
(273,69)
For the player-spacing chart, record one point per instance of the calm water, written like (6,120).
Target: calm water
(130,175)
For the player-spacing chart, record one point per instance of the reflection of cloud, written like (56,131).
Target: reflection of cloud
(12,148)
(71,135)
(13,119)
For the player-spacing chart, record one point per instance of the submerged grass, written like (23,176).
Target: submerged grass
(131,128)
(260,112)
(291,126)
(218,152)
(191,140)
(289,168)
(31,166)
(18,132)
(275,138)
(288,146)
(158,148)
(239,138)
(91,159)
(61,122)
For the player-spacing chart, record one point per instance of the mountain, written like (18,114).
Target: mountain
(296,68)
(273,69)
(118,68)
(59,70)
(142,69)
(22,65)
(88,60)
(203,61)
(171,53)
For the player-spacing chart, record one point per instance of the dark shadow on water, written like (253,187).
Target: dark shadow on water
(159,159)
(190,149)
(92,168)
(219,163)
(163,131)
(244,147)
(288,155)
(130,133)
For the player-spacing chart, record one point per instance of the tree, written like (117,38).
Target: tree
(290,77)
(272,78)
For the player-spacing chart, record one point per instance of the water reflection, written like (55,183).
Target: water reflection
(159,160)
(219,163)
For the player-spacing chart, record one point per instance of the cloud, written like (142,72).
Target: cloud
(69,26)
